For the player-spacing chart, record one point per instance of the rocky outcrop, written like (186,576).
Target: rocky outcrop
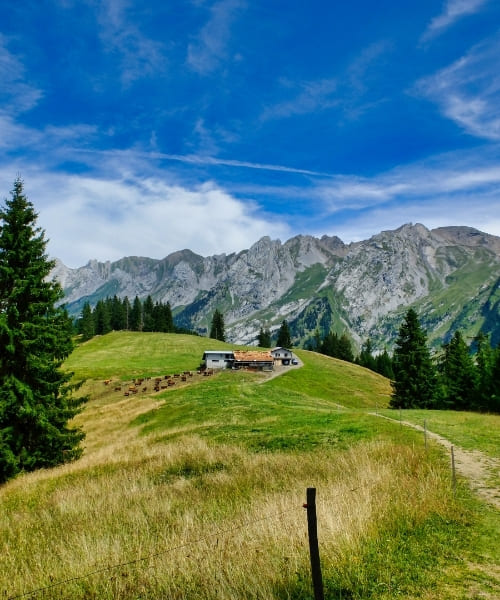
(451,275)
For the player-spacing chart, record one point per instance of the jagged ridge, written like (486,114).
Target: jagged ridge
(450,275)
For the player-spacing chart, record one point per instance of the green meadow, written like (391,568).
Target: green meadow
(196,491)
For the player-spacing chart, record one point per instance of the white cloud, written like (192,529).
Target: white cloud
(453,11)
(111,218)
(468,91)
(210,47)
(439,211)
(459,188)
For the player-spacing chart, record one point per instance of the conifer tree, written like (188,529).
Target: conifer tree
(366,358)
(415,381)
(117,314)
(264,338)
(36,397)
(102,318)
(217,329)
(86,323)
(284,338)
(458,375)
(485,359)
(135,317)
(148,315)
(494,399)
(383,364)
(344,349)
(168,318)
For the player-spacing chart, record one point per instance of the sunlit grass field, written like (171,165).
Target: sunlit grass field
(197,491)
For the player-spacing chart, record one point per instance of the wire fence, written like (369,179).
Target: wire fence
(143,559)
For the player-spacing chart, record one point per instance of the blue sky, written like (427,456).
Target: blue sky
(142,128)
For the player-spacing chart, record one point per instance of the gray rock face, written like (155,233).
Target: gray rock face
(365,284)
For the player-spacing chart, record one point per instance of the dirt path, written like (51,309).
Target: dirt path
(476,466)
(280,370)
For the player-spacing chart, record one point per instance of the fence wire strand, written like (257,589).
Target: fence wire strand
(216,534)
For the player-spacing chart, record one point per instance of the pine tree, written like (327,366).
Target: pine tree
(168,318)
(383,365)
(330,344)
(217,328)
(102,318)
(264,338)
(366,358)
(148,315)
(415,381)
(118,315)
(135,316)
(344,350)
(458,375)
(485,358)
(36,398)
(494,400)
(284,338)
(86,323)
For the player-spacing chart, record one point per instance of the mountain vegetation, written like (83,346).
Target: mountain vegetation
(197,490)
(115,314)
(218,328)
(450,276)
(36,395)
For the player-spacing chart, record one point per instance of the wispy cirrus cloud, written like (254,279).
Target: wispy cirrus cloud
(468,91)
(312,96)
(140,56)
(453,11)
(458,172)
(210,47)
(203,159)
(345,91)
(16,95)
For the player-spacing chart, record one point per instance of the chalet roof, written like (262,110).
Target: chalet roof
(252,356)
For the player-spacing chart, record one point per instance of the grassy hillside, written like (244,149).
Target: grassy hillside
(197,491)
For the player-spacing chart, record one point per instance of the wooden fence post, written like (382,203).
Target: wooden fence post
(453,472)
(312,528)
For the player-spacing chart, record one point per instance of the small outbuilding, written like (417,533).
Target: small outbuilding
(217,359)
(282,356)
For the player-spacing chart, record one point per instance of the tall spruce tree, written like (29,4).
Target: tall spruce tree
(217,328)
(264,338)
(284,338)
(86,323)
(36,397)
(415,380)
(458,375)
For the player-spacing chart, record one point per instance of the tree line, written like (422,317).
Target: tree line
(457,378)
(460,377)
(116,314)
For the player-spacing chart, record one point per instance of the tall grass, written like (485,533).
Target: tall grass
(197,492)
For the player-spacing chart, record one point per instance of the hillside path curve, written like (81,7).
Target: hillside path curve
(477,467)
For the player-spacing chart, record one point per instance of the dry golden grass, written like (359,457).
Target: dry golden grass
(185,517)
(194,519)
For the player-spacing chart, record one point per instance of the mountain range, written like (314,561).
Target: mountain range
(449,275)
